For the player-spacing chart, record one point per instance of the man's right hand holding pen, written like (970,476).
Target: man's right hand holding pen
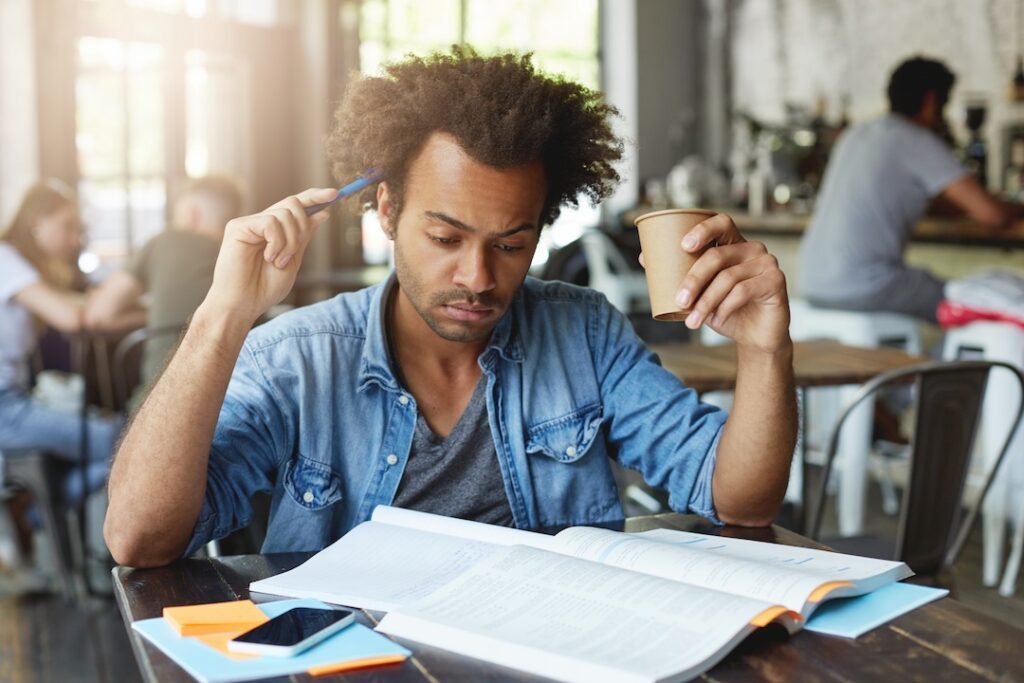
(261,255)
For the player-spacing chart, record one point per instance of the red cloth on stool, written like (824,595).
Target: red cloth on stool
(952,314)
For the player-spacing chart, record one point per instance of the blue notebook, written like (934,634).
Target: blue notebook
(207,665)
(853,617)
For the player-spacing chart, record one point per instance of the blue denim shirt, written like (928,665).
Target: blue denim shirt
(314,415)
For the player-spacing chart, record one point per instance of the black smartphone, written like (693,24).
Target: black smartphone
(291,632)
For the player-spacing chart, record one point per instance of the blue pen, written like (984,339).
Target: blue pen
(369,176)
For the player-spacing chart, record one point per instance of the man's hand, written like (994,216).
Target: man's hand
(735,287)
(261,255)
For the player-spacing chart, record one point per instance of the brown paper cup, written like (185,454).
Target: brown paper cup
(661,236)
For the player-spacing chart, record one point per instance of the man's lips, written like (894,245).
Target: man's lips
(466,312)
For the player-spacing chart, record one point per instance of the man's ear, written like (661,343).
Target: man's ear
(385,210)
(930,106)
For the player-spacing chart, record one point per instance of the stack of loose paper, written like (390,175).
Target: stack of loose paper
(196,638)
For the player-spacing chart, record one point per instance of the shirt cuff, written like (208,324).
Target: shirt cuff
(701,499)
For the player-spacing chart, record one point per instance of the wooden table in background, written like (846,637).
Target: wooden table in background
(942,641)
(815,363)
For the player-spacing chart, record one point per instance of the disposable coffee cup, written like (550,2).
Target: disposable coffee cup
(666,264)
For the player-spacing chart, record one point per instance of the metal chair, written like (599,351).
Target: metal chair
(948,399)
(131,343)
(249,538)
(38,473)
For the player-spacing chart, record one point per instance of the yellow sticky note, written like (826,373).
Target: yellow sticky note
(235,616)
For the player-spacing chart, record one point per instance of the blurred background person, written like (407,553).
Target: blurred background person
(38,250)
(174,269)
(879,182)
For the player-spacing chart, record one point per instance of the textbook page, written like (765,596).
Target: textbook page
(381,566)
(461,528)
(798,578)
(573,620)
(378,566)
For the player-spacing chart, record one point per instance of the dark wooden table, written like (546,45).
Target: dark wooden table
(815,363)
(943,641)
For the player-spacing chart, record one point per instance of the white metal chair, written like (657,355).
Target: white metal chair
(948,398)
(610,274)
(854,328)
(996,341)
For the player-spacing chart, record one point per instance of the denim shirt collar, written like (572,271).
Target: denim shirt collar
(375,367)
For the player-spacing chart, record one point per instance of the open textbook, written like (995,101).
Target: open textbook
(586,604)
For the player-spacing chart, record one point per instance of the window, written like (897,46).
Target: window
(562,35)
(254,12)
(120,144)
(163,93)
(215,95)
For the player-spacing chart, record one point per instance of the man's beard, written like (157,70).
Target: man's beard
(414,292)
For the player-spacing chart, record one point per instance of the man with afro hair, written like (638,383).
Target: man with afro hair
(459,386)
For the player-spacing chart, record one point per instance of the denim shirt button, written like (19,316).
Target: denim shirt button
(308,496)
(570,451)
(404,400)
(392,458)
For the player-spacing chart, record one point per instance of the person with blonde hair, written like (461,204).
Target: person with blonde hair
(38,253)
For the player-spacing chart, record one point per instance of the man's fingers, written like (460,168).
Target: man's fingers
(710,264)
(266,229)
(717,230)
(759,287)
(293,235)
(726,281)
(284,228)
(314,195)
(734,288)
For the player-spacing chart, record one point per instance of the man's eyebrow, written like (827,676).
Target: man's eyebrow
(459,225)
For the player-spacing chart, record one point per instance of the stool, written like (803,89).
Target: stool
(854,328)
(1005,342)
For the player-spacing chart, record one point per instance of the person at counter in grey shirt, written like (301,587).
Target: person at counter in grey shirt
(879,181)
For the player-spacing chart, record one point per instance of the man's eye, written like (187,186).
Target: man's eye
(508,248)
(442,240)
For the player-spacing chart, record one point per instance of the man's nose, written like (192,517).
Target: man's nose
(474,271)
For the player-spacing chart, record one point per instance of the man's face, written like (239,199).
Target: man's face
(465,238)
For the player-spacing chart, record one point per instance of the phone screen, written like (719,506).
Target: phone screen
(294,626)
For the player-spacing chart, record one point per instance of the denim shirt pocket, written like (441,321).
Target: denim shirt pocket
(310,484)
(567,438)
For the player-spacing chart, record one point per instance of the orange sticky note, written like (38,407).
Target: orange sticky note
(771,614)
(219,642)
(217,617)
(363,663)
(823,590)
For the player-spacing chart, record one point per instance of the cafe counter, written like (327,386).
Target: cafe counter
(930,230)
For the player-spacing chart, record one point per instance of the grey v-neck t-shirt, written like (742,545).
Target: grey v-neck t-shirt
(456,475)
